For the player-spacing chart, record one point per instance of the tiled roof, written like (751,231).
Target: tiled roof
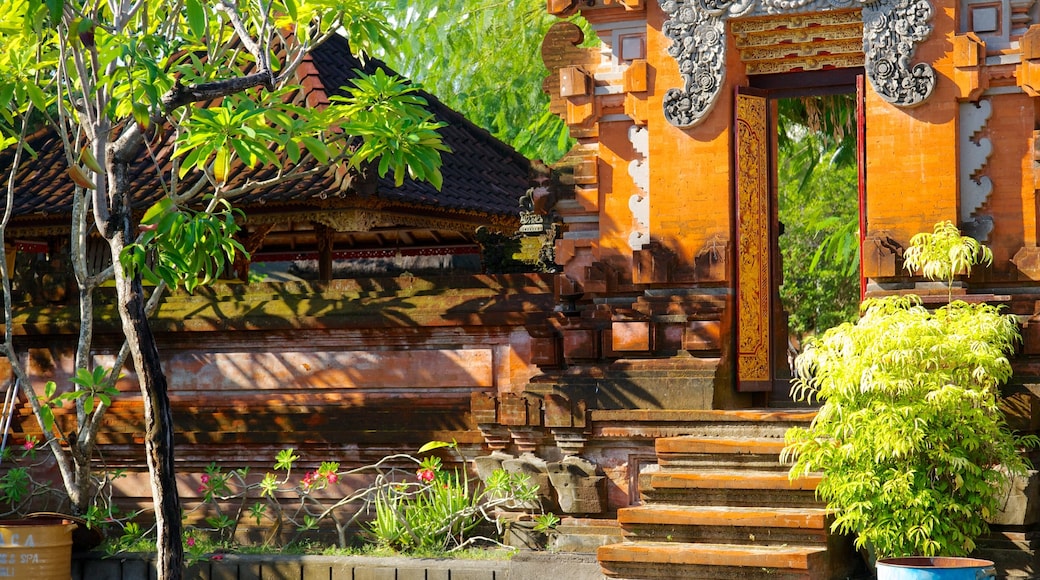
(482,175)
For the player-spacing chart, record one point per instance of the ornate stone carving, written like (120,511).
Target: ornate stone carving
(699,46)
(974,149)
(891,31)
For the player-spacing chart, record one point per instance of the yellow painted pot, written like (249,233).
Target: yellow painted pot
(39,548)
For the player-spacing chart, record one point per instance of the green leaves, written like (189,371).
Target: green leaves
(285,459)
(189,248)
(945,254)
(818,206)
(454,48)
(14,485)
(432,445)
(196,15)
(394,126)
(91,388)
(211,134)
(911,438)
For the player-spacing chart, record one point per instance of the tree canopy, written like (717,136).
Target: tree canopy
(117,79)
(819,210)
(483,58)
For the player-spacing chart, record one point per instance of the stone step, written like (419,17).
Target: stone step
(719,445)
(1005,539)
(728,479)
(642,424)
(585,535)
(696,561)
(739,517)
(1011,563)
(729,487)
(699,453)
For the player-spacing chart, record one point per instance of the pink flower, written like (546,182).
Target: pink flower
(332,477)
(217,557)
(205,478)
(29,445)
(202,488)
(191,542)
(425,475)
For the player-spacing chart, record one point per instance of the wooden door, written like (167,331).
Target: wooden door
(754,224)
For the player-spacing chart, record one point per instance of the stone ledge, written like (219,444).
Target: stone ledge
(524,566)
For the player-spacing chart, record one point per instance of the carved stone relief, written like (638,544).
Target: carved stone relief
(639,203)
(891,31)
(974,150)
(699,46)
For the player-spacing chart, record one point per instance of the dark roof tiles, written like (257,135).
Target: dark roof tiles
(482,175)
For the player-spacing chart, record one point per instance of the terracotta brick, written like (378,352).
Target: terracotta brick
(512,409)
(633,336)
(560,411)
(703,335)
(580,344)
(483,406)
(545,351)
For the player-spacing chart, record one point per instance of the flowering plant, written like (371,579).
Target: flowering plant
(26,488)
(416,504)
(441,508)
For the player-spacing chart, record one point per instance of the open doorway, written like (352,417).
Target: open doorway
(798,151)
(818,212)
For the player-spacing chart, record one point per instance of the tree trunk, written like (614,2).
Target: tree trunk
(158,417)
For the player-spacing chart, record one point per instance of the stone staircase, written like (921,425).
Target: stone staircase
(1013,550)
(719,505)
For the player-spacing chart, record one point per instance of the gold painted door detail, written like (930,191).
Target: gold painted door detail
(754,242)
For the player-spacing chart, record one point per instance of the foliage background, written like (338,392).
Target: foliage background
(819,210)
(483,59)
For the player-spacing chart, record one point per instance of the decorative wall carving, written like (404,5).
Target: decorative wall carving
(639,203)
(974,150)
(891,31)
(800,42)
(699,46)
(754,282)
(348,220)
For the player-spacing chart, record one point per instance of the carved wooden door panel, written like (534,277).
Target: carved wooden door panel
(754,211)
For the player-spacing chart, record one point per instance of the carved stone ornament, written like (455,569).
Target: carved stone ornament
(891,31)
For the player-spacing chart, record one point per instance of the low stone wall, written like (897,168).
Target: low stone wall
(524,566)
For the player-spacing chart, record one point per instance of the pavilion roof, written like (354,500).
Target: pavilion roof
(484,178)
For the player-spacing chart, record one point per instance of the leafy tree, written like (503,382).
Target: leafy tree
(819,209)
(910,439)
(117,80)
(483,58)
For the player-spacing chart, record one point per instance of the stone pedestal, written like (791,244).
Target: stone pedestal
(536,470)
(578,489)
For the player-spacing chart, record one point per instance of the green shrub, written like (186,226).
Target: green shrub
(910,438)
(440,510)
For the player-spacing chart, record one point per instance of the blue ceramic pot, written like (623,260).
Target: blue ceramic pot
(934,569)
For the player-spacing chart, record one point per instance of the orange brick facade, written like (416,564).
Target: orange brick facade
(652,234)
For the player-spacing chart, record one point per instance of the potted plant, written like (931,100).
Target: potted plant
(910,438)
